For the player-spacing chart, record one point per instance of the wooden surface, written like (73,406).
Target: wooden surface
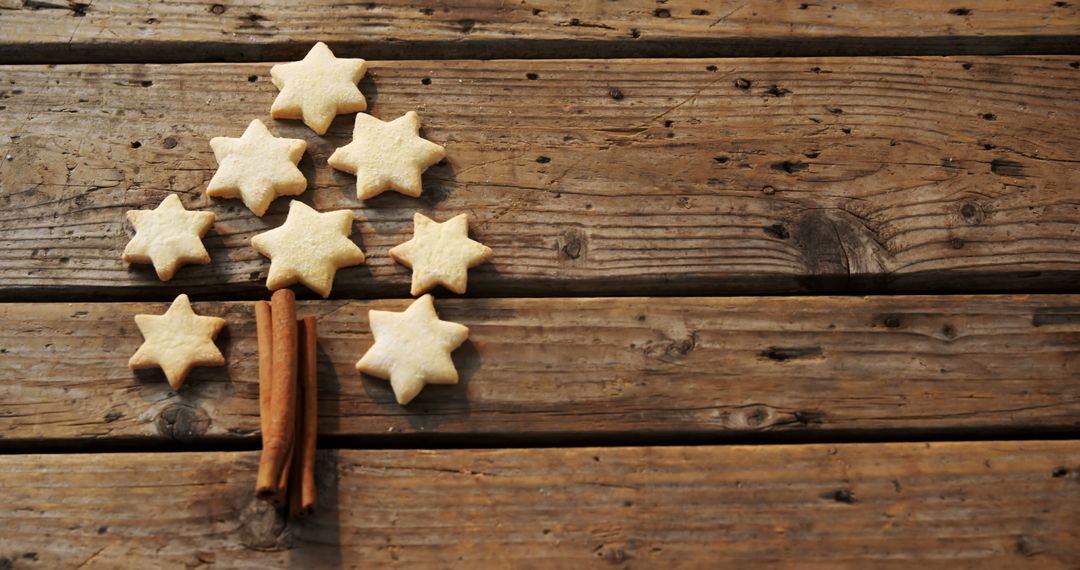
(537,371)
(760,147)
(943,505)
(597,177)
(132,30)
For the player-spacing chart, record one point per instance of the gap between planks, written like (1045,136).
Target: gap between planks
(530,441)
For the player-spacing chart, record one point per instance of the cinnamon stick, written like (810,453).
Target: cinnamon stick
(309,400)
(264,330)
(280,431)
(281,497)
(296,467)
(265,406)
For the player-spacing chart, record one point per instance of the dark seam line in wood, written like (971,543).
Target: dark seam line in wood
(538,441)
(114,295)
(193,52)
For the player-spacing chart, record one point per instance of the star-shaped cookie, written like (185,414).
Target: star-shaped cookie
(168,237)
(412,348)
(308,248)
(318,88)
(177,341)
(387,155)
(440,254)
(257,167)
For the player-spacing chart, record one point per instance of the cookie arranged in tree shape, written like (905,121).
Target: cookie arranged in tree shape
(257,167)
(412,348)
(318,88)
(440,254)
(309,248)
(177,341)
(387,156)
(168,237)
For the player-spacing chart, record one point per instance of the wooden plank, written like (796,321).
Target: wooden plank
(134,31)
(941,505)
(544,370)
(596,177)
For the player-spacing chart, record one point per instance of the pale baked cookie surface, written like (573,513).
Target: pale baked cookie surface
(318,88)
(177,341)
(308,248)
(257,167)
(387,156)
(168,237)
(412,348)
(440,254)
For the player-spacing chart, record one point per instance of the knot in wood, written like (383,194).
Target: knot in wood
(678,348)
(669,349)
(262,527)
(573,244)
(182,421)
(777,231)
(972,213)
(753,418)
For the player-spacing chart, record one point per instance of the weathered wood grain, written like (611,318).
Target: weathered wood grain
(585,177)
(900,505)
(138,31)
(549,370)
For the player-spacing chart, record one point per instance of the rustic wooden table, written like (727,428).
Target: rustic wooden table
(775,283)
